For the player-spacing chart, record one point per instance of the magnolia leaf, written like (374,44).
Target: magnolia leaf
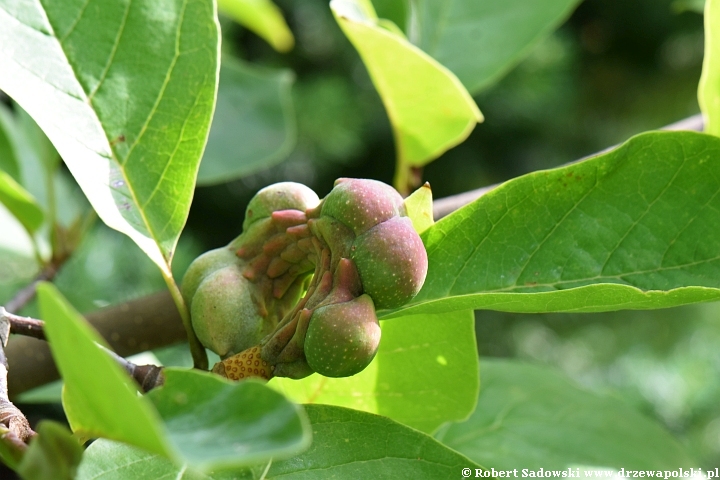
(480,41)
(217,424)
(346,444)
(352,444)
(130,115)
(709,88)
(262,17)
(53,453)
(108,460)
(254,123)
(20,203)
(534,416)
(8,158)
(424,374)
(100,399)
(429,109)
(634,228)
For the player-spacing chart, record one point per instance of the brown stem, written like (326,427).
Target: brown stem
(10,416)
(26,326)
(147,376)
(129,328)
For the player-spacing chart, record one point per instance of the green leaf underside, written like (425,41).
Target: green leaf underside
(100,400)
(635,228)
(262,17)
(709,87)
(215,423)
(498,34)
(53,453)
(20,203)
(346,444)
(129,115)
(403,74)
(425,374)
(254,123)
(531,416)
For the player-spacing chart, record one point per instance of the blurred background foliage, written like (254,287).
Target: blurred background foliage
(616,68)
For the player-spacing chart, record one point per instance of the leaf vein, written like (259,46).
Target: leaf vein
(642,216)
(116,44)
(75,22)
(554,228)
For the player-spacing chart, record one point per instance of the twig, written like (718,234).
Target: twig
(132,327)
(147,376)
(26,326)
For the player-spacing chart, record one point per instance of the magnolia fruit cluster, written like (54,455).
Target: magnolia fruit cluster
(297,291)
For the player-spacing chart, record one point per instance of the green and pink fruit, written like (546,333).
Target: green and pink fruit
(361,204)
(224,312)
(279,196)
(342,338)
(392,262)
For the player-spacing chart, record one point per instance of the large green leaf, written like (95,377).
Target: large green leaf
(634,228)
(262,17)
(214,423)
(254,123)
(125,91)
(200,419)
(352,444)
(425,374)
(429,109)
(709,88)
(20,203)
(108,460)
(346,444)
(531,416)
(481,40)
(100,399)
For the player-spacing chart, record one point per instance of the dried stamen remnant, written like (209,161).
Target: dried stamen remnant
(245,364)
